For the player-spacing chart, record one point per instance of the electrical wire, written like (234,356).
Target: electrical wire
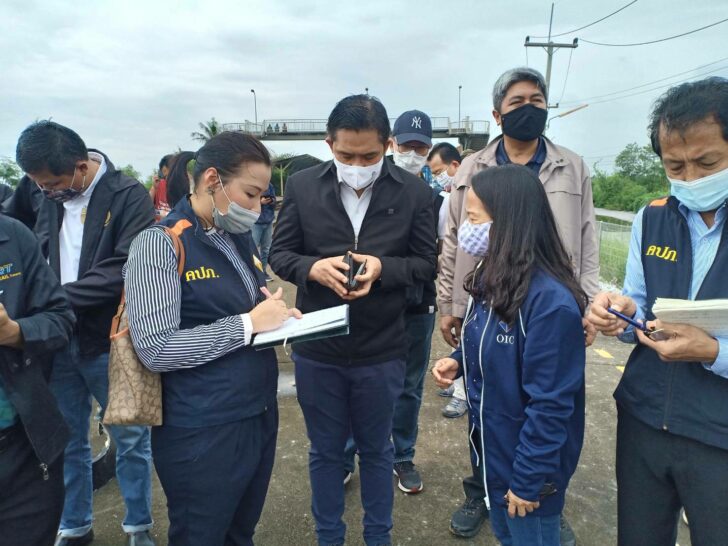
(566,79)
(590,24)
(658,87)
(656,41)
(646,84)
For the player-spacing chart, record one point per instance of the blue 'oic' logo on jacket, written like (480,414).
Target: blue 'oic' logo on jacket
(505,338)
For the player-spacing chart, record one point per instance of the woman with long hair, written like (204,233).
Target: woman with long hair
(522,354)
(214,452)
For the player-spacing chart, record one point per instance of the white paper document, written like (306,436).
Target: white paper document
(708,315)
(317,324)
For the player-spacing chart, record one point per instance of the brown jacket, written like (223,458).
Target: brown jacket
(567,182)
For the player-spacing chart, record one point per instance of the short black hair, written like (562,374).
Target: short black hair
(47,145)
(687,104)
(164,162)
(359,113)
(447,152)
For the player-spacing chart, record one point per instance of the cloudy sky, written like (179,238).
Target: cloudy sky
(134,78)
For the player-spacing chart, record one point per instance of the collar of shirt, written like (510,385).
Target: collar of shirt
(535,163)
(98,158)
(696,222)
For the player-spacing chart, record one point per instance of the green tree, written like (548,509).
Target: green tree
(10,173)
(209,130)
(641,164)
(129,170)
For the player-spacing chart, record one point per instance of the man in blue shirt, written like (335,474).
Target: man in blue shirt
(672,402)
(263,228)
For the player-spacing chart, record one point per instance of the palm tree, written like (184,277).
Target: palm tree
(209,130)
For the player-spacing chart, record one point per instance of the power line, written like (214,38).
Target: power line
(656,41)
(590,24)
(566,79)
(646,84)
(658,87)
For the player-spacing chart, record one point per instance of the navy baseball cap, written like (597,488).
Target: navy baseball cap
(413,125)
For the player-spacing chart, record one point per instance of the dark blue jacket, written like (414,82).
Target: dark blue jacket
(268,212)
(240,384)
(34,298)
(681,397)
(525,388)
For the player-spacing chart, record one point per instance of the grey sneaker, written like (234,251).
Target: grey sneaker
(468,519)
(455,408)
(409,479)
(446,393)
(141,538)
(567,533)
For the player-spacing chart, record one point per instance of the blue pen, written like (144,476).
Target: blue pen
(628,320)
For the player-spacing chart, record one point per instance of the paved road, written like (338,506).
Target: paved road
(442,458)
(618,214)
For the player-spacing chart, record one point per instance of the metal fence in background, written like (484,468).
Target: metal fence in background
(613,251)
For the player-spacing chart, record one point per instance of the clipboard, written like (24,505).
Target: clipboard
(325,323)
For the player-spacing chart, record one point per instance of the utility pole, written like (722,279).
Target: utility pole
(460,87)
(255,102)
(550,47)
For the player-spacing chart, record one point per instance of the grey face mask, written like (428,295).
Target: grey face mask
(238,220)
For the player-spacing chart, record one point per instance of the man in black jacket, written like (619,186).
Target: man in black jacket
(35,321)
(86,218)
(356,203)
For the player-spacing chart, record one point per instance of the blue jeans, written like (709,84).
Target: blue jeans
(529,531)
(74,381)
(337,401)
(263,238)
(407,409)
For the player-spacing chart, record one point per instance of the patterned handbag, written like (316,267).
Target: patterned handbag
(135,393)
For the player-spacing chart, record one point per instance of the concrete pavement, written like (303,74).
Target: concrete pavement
(442,458)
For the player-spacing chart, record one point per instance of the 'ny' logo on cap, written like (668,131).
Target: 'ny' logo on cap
(417,122)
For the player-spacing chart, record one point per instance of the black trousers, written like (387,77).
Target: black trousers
(30,506)
(659,472)
(216,478)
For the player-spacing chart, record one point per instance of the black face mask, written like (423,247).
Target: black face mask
(525,123)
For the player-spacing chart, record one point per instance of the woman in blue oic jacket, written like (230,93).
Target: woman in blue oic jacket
(522,354)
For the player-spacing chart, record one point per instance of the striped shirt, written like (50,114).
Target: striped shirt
(153,297)
(704,242)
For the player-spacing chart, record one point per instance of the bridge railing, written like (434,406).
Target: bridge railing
(271,127)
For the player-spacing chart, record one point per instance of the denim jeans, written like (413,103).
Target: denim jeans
(263,237)
(74,381)
(529,531)
(407,409)
(338,401)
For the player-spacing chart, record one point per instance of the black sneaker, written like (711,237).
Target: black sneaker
(409,479)
(468,519)
(567,533)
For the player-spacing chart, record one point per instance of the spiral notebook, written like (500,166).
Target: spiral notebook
(330,322)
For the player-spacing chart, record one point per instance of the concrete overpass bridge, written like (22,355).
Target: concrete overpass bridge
(472,134)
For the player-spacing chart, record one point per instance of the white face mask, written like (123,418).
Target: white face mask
(356,177)
(703,194)
(410,161)
(445,180)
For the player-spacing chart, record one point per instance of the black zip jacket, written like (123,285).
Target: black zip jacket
(34,299)
(398,229)
(119,209)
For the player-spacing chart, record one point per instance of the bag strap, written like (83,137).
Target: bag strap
(179,251)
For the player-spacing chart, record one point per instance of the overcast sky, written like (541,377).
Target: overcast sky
(134,78)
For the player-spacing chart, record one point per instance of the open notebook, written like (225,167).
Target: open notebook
(708,315)
(330,322)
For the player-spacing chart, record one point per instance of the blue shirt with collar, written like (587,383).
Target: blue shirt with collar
(705,242)
(535,163)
